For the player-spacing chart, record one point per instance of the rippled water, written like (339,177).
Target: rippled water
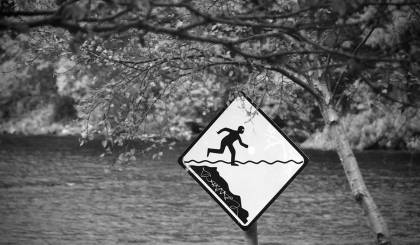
(52,192)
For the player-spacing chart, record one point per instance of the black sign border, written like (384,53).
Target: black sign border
(305,162)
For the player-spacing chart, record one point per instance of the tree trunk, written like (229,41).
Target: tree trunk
(354,176)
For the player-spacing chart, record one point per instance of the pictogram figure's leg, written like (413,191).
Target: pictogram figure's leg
(217,151)
(233,153)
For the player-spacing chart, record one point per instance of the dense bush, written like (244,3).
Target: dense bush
(64,109)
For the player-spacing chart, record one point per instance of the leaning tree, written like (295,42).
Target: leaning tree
(327,47)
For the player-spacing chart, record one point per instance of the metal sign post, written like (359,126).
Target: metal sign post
(251,235)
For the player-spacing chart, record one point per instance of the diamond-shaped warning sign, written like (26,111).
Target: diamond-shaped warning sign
(243,160)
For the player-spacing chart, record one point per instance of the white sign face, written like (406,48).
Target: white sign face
(243,160)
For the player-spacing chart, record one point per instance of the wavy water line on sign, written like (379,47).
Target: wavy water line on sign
(249,161)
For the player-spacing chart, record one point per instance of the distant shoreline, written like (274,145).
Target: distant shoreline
(52,142)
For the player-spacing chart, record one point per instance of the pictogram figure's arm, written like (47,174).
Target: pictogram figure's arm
(242,143)
(224,129)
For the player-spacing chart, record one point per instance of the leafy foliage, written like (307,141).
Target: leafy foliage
(144,67)
(373,125)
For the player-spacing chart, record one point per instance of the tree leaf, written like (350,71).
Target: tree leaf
(104,143)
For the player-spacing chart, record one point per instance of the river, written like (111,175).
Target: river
(54,192)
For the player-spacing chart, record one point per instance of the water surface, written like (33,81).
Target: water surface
(53,192)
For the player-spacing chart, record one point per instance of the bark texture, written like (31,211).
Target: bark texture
(354,176)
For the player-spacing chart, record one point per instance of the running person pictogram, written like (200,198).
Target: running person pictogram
(228,141)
